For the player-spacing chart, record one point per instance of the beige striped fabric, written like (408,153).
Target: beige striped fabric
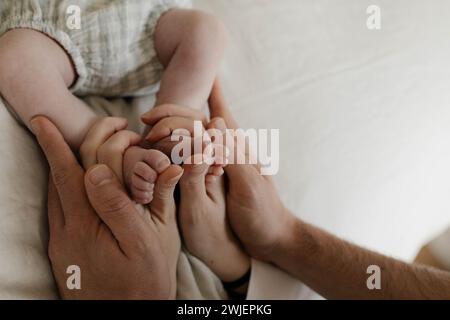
(112,50)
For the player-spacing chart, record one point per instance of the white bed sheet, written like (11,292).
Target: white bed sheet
(364,115)
(364,118)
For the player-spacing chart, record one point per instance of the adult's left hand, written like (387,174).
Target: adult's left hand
(106,143)
(94,225)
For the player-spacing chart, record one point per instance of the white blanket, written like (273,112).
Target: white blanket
(364,118)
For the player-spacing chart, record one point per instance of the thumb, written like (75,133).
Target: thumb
(192,183)
(163,203)
(112,204)
(236,171)
(218,106)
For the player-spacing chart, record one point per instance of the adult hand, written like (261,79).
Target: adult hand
(106,143)
(95,226)
(202,212)
(254,209)
(164,120)
(328,265)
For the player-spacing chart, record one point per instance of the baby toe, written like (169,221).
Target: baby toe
(157,160)
(142,197)
(145,172)
(140,183)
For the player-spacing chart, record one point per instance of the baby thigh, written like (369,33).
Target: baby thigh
(35,73)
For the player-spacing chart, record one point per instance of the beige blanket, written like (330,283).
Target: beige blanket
(24,267)
(364,118)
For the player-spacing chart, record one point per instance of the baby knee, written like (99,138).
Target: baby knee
(24,52)
(208,30)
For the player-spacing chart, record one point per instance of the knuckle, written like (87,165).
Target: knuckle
(115,206)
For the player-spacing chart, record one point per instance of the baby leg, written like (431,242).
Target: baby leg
(190,45)
(34,75)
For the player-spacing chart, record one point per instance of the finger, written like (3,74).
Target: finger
(112,151)
(54,209)
(192,183)
(171,110)
(218,106)
(215,188)
(98,135)
(163,203)
(238,158)
(167,126)
(114,207)
(181,149)
(216,171)
(67,175)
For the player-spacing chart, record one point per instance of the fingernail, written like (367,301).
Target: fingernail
(34,126)
(100,175)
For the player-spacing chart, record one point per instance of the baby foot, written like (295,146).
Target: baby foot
(141,169)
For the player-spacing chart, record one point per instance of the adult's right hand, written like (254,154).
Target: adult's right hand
(254,209)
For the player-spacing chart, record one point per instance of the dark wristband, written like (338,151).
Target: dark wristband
(231,286)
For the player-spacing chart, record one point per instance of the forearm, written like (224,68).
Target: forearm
(338,270)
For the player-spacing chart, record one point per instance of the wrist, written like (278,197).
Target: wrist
(240,265)
(299,250)
(237,290)
(289,241)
